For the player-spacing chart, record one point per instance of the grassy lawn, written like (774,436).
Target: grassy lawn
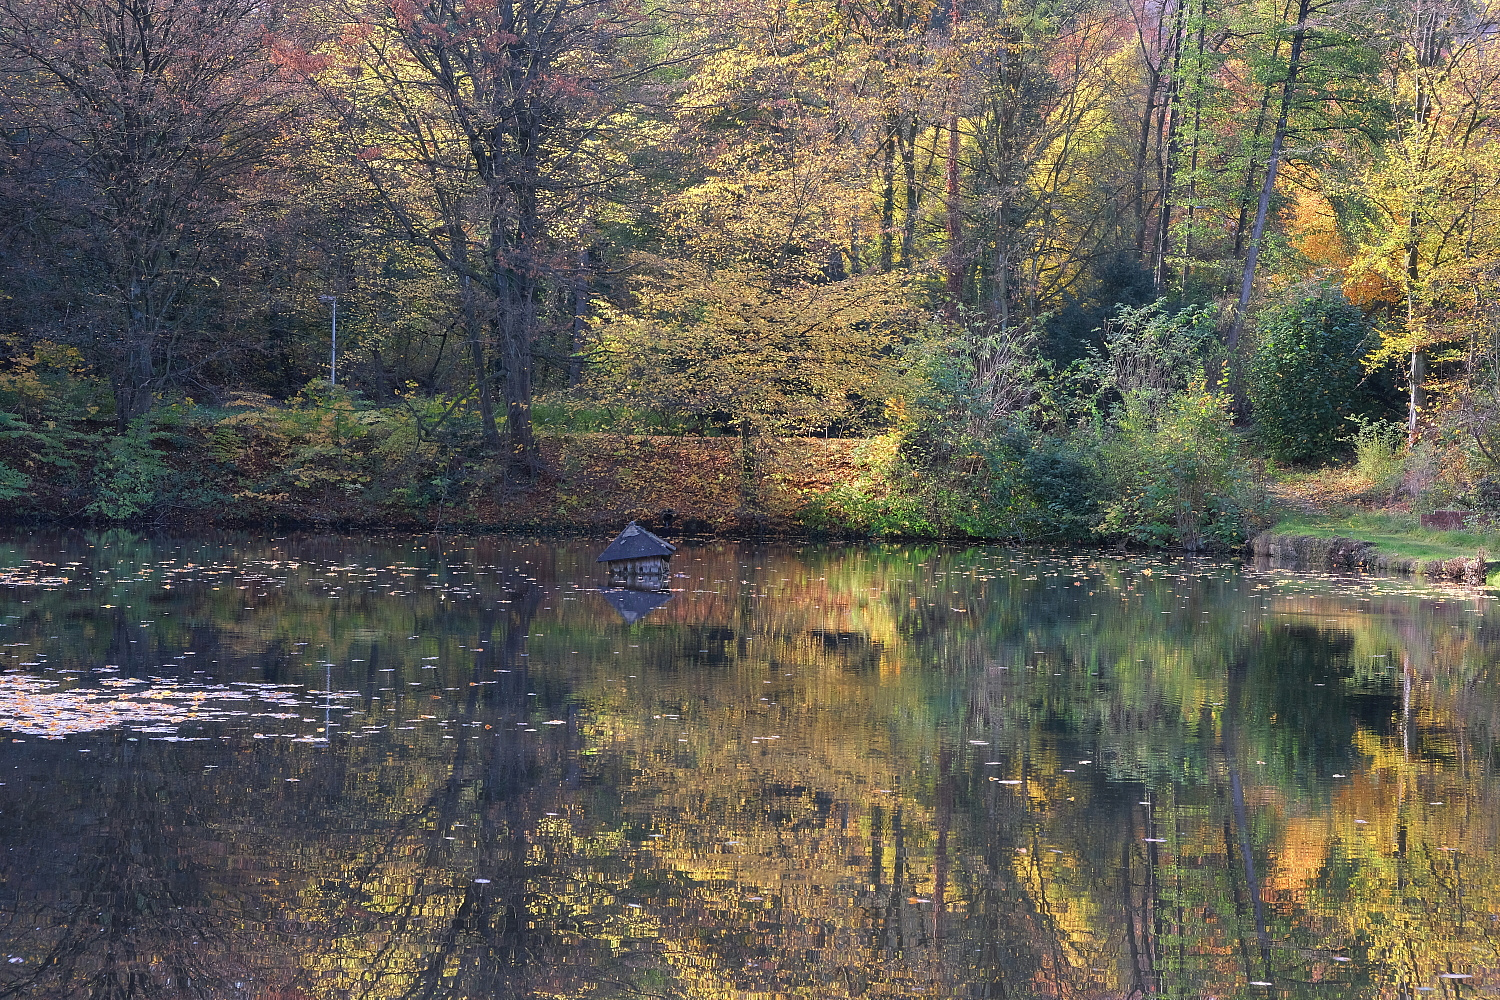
(1399,535)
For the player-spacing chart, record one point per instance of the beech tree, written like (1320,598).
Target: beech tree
(150,117)
(773,358)
(481,125)
(1428,196)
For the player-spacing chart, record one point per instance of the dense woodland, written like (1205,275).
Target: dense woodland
(1071,269)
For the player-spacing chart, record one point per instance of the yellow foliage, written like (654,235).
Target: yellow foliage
(48,376)
(777,360)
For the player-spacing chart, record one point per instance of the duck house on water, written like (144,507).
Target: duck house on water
(637,558)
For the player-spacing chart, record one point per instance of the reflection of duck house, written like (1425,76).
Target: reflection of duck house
(633,605)
(637,558)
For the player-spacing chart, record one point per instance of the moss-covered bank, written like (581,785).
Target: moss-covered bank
(1383,543)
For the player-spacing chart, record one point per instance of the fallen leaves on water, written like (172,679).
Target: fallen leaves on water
(40,707)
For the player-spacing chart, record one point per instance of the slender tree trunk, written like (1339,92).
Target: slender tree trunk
(954,223)
(1252,166)
(1251,169)
(1417,399)
(474,335)
(1138,200)
(1278,139)
(1169,144)
(999,285)
(1192,207)
(888,197)
(955,235)
(1427,44)
(750,491)
(908,153)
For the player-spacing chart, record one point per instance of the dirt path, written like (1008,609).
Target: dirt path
(1333,491)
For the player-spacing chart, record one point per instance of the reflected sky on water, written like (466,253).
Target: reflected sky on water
(443,767)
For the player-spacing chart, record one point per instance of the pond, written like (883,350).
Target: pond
(443,767)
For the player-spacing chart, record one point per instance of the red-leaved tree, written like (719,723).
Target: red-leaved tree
(148,119)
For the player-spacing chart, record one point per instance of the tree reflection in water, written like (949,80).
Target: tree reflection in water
(875,772)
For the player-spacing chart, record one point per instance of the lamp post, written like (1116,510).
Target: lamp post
(333,358)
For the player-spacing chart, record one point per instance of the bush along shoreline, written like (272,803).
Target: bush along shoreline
(1163,470)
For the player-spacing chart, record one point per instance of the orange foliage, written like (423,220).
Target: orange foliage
(1311,225)
(1313,228)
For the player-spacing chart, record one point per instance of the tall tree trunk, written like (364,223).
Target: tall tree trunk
(907,149)
(1416,400)
(1168,142)
(515,354)
(1278,139)
(1252,165)
(1427,45)
(1138,201)
(888,197)
(580,318)
(136,375)
(954,224)
(515,229)
(1192,197)
(474,335)
(1251,169)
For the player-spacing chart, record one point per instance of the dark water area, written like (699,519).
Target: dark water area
(331,767)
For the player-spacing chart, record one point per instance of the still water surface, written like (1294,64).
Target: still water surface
(326,767)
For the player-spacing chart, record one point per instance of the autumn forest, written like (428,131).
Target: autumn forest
(362,261)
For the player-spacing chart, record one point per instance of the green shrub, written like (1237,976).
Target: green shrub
(1062,480)
(972,492)
(1379,451)
(130,477)
(1155,353)
(328,445)
(13,482)
(43,382)
(1175,475)
(1304,379)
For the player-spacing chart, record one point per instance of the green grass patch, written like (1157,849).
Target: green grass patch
(1400,536)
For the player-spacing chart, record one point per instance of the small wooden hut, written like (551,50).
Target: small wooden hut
(637,558)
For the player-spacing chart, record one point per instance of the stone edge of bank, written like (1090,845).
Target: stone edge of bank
(1312,552)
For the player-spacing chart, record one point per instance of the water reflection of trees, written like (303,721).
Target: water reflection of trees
(108,885)
(874,857)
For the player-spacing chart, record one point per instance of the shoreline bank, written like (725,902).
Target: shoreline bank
(1326,552)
